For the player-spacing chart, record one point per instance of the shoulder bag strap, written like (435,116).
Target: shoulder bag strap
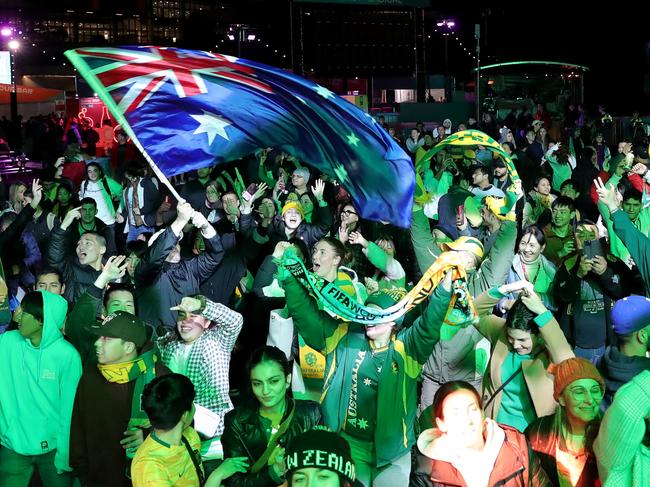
(197,465)
(508,380)
(273,442)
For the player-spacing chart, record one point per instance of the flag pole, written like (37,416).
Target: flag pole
(95,84)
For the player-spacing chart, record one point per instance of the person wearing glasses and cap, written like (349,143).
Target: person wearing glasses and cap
(563,441)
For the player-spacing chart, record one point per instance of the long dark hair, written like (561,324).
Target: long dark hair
(268,353)
(338,248)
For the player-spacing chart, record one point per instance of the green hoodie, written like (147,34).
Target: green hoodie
(38,386)
(341,342)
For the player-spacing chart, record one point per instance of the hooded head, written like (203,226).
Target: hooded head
(41,317)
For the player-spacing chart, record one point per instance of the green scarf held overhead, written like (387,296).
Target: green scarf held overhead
(142,370)
(460,312)
(464,138)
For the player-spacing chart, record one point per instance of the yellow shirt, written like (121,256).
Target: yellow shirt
(157,463)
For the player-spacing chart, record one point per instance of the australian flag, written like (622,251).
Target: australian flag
(192,109)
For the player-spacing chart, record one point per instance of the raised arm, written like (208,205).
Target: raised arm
(620,437)
(315,326)
(420,338)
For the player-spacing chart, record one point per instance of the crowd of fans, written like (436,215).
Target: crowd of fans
(148,341)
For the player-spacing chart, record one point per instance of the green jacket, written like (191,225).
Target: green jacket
(642,223)
(636,242)
(341,342)
(623,459)
(392,270)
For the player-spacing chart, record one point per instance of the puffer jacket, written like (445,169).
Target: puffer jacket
(244,436)
(515,466)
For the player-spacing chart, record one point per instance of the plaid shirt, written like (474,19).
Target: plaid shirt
(209,359)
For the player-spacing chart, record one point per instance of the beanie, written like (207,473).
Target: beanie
(385,298)
(573,369)
(302,171)
(630,314)
(295,206)
(320,448)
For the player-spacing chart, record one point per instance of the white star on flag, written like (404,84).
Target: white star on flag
(341,174)
(353,139)
(367,381)
(212,125)
(324,92)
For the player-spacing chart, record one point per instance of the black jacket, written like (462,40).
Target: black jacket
(310,233)
(161,284)
(244,436)
(77,277)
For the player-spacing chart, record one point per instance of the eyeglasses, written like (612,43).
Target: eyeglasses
(348,212)
(580,393)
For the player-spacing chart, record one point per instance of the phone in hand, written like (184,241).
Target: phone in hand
(593,248)
(250,191)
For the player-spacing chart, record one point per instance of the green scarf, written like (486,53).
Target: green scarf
(142,370)
(460,312)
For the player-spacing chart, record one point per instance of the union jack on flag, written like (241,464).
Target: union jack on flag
(192,109)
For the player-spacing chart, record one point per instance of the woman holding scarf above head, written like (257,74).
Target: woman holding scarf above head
(516,387)
(372,367)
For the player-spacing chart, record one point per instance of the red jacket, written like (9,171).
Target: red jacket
(516,466)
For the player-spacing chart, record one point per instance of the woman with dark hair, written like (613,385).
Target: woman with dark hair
(537,210)
(466,448)
(603,154)
(65,201)
(529,264)
(261,428)
(329,257)
(104,190)
(516,387)
(349,222)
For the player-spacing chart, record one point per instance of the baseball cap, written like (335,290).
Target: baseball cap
(469,244)
(122,325)
(630,314)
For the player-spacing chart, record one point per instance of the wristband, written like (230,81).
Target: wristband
(543,319)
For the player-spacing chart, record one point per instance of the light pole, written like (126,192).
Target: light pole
(13,96)
(240,33)
(447,26)
(13,45)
